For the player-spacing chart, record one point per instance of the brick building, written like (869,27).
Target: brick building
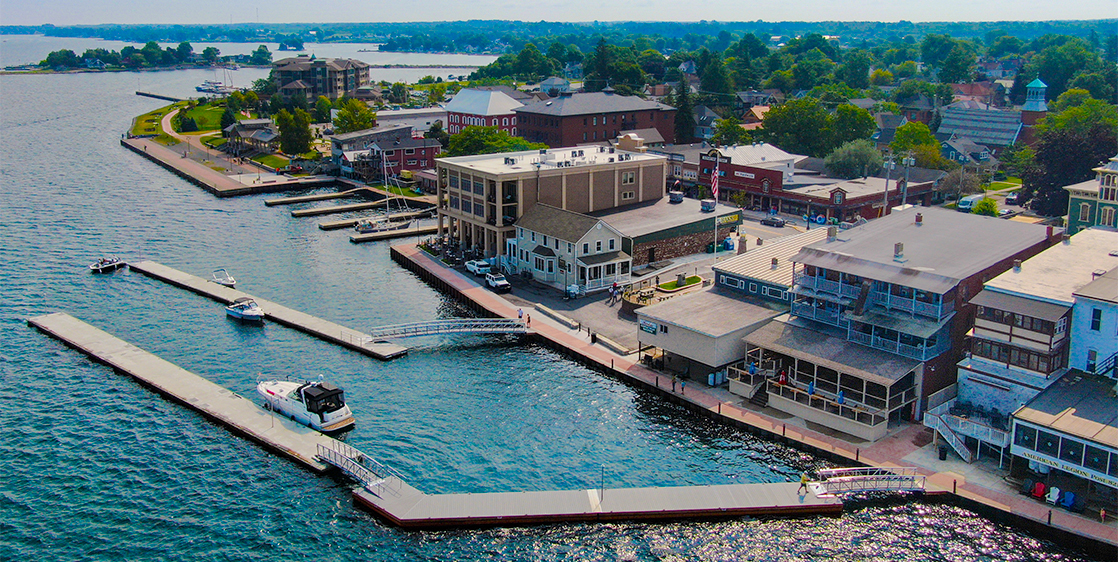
(482,108)
(573,119)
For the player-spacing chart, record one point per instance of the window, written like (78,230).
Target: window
(570,248)
(598,246)
(412,162)
(663,329)
(409,151)
(1071,451)
(514,123)
(1025,437)
(1106,217)
(611,243)
(838,198)
(628,178)
(627,195)
(533,236)
(505,121)
(545,240)
(595,121)
(1092,360)
(752,287)
(1084,212)
(1048,444)
(389,152)
(585,248)
(1096,319)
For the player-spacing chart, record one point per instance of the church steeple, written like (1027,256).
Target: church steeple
(1034,97)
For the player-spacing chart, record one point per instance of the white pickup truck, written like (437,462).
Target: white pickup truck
(497,282)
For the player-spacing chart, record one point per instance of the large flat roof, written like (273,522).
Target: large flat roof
(549,160)
(945,248)
(835,353)
(1078,404)
(757,262)
(1055,274)
(642,219)
(1103,288)
(712,312)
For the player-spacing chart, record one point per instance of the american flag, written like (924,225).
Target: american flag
(714,180)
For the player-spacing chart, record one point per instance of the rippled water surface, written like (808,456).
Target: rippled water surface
(94,467)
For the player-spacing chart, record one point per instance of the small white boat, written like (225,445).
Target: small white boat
(245,308)
(222,277)
(111,263)
(318,405)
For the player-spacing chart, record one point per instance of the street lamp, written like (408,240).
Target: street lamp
(889,165)
(908,161)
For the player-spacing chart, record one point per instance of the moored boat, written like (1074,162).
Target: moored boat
(103,265)
(222,277)
(380,225)
(244,308)
(318,405)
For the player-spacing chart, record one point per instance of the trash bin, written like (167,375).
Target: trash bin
(593,338)
(943,452)
(710,248)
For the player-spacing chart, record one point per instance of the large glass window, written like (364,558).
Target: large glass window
(1095,459)
(1025,437)
(1071,451)
(1048,444)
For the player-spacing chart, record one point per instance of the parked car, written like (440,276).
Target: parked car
(773,221)
(497,282)
(1011,199)
(477,267)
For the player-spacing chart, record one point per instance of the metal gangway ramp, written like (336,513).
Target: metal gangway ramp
(840,481)
(451,326)
(374,476)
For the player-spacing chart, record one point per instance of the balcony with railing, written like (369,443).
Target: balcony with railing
(990,427)
(832,411)
(832,316)
(912,305)
(824,285)
(918,352)
(746,383)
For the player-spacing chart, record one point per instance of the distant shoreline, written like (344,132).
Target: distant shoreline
(33,69)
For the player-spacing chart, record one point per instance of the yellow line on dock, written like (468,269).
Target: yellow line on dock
(217,403)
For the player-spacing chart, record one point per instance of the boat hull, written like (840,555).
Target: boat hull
(277,398)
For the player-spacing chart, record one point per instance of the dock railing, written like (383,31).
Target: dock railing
(838,481)
(451,326)
(374,476)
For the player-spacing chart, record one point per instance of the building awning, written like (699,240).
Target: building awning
(543,251)
(1020,305)
(603,258)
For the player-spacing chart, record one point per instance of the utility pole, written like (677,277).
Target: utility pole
(908,161)
(888,165)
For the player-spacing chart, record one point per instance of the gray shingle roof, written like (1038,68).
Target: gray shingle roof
(592,103)
(552,221)
(984,126)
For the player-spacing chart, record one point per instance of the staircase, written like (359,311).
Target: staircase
(760,395)
(1106,366)
(937,423)
(863,296)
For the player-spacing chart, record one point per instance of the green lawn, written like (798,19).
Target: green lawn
(996,185)
(208,117)
(689,281)
(401,191)
(272,161)
(214,142)
(149,123)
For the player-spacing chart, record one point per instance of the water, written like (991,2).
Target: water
(94,467)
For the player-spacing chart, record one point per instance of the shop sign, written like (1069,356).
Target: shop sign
(647,326)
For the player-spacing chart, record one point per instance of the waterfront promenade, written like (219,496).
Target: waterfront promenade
(902,448)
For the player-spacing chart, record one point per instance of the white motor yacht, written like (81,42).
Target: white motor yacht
(104,265)
(222,277)
(318,405)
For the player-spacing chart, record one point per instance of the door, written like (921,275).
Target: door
(651,255)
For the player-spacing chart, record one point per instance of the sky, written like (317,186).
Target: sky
(80,12)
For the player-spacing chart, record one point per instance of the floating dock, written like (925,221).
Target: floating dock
(350,223)
(390,234)
(315,197)
(339,209)
(322,329)
(279,434)
(411,509)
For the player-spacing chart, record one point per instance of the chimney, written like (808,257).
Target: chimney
(1067,238)
(832,233)
(775,262)
(1017,266)
(898,251)
(1050,232)
(919,219)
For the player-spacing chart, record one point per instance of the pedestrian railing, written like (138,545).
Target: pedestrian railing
(839,481)
(451,326)
(374,476)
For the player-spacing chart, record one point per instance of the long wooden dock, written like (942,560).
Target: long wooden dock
(219,404)
(322,329)
(390,234)
(338,209)
(402,505)
(315,197)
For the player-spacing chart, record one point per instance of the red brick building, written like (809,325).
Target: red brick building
(406,154)
(573,119)
(482,108)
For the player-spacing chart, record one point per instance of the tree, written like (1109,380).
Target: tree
(911,135)
(854,159)
(958,67)
(986,206)
(64,58)
(796,127)
(1065,156)
(398,93)
(849,123)
(729,132)
(438,133)
(294,131)
(960,183)
(855,72)
(1088,114)
(261,56)
(436,94)
(183,51)
(322,107)
(715,83)
(934,49)
(210,54)
(227,118)
(684,118)
(881,77)
(487,140)
(1057,65)
(354,115)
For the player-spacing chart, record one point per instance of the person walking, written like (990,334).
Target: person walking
(803,483)
(520,314)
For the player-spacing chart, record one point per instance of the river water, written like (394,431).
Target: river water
(95,467)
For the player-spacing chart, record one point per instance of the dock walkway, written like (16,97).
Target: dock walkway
(322,329)
(390,234)
(228,408)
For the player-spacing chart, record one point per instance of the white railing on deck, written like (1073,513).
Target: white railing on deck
(374,476)
(838,481)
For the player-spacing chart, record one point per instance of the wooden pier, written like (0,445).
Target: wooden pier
(390,234)
(339,209)
(315,197)
(241,415)
(350,223)
(322,329)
